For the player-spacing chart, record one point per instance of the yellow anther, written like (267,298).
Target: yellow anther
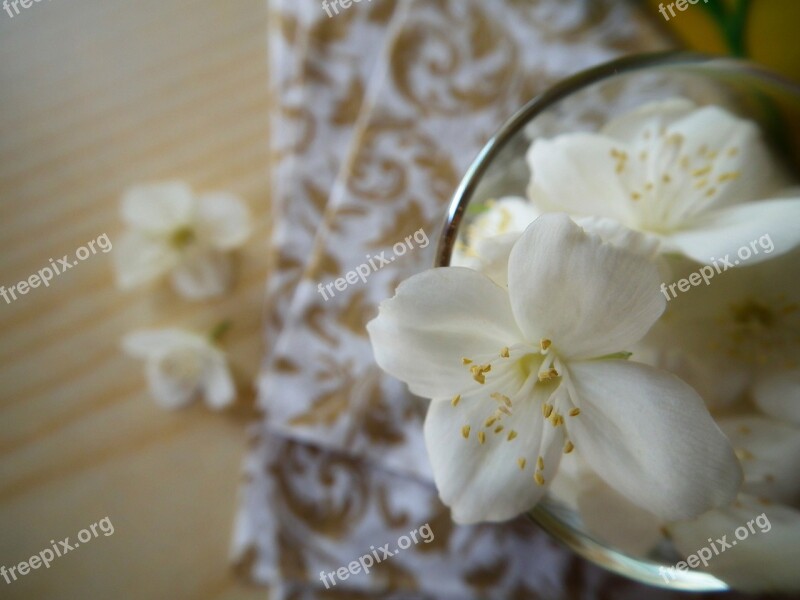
(700,172)
(540,463)
(701,184)
(743,454)
(504,410)
(568,447)
(711,192)
(636,196)
(733,152)
(498,429)
(511,435)
(556,419)
(575,412)
(504,353)
(666,178)
(548,375)
(456,399)
(490,421)
(521,462)
(465,431)
(481,437)
(729,176)
(544,344)
(538,478)
(547,410)
(466,361)
(648,186)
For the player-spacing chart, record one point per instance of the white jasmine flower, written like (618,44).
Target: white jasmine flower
(738,336)
(765,555)
(519,376)
(174,232)
(182,366)
(697,179)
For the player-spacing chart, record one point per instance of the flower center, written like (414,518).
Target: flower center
(764,332)
(182,237)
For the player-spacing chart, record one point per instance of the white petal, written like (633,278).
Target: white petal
(648,435)
(769,452)
(484,482)
(140,258)
(589,298)
(615,233)
(153,343)
(436,318)
(612,518)
(218,386)
(170,392)
(576,173)
(644,123)
(765,559)
(203,273)
(223,220)
(159,207)
(746,233)
(777,393)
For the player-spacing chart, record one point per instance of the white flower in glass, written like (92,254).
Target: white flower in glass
(737,337)
(172,231)
(180,366)
(519,376)
(698,180)
(755,541)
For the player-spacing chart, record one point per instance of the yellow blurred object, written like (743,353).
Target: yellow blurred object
(761,30)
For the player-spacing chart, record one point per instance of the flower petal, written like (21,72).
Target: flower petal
(576,173)
(218,386)
(223,220)
(436,318)
(777,393)
(769,452)
(759,230)
(203,273)
(645,122)
(648,435)
(140,258)
(484,482)
(158,207)
(764,558)
(588,297)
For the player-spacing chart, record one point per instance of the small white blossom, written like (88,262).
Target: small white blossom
(698,180)
(518,376)
(182,366)
(173,232)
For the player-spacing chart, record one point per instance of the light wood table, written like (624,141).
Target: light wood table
(94,97)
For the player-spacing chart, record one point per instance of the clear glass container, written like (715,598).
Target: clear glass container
(585,102)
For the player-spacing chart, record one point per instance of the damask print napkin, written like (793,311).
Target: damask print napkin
(322,70)
(339,465)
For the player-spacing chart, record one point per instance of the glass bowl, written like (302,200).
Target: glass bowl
(584,102)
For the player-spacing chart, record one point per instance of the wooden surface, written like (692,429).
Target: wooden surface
(96,96)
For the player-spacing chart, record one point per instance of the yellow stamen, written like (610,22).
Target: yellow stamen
(636,196)
(743,454)
(700,172)
(456,399)
(511,435)
(504,410)
(550,374)
(521,462)
(540,463)
(544,344)
(498,429)
(466,361)
(568,447)
(574,412)
(547,410)
(504,353)
(465,431)
(481,437)
(490,421)
(537,477)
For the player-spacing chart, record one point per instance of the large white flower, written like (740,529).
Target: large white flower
(518,376)
(737,337)
(173,231)
(764,554)
(698,180)
(181,366)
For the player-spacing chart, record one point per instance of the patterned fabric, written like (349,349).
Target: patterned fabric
(378,112)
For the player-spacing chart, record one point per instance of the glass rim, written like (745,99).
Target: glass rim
(582,543)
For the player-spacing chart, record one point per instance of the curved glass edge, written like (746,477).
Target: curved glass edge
(642,570)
